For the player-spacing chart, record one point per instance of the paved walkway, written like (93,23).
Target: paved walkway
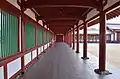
(61,62)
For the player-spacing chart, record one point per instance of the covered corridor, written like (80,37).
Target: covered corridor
(40,39)
(61,62)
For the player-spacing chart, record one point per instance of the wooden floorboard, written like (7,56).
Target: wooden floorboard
(61,62)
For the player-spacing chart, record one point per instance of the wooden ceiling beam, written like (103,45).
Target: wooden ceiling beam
(57,6)
(61,3)
(62,18)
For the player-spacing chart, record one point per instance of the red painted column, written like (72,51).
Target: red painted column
(77,50)
(43,37)
(5,72)
(102,45)
(22,38)
(36,36)
(70,39)
(85,42)
(67,38)
(73,38)
(46,38)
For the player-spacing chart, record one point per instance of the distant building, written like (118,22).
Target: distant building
(112,33)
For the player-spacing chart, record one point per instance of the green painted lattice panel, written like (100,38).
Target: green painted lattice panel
(44,37)
(29,35)
(48,35)
(40,36)
(8,34)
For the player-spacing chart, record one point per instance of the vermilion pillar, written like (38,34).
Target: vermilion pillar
(36,36)
(77,38)
(102,45)
(85,42)
(73,38)
(22,37)
(43,36)
(70,39)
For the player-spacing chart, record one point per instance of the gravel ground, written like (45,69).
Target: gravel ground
(112,51)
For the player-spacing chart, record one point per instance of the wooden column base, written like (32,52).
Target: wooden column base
(106,72)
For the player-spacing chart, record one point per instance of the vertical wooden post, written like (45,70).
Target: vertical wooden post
(36,36)
(5,72)
(73,38)
(77,50)
(85,42)
(43,37)
(67,38)
(22,37)
(70,39)
(102,45)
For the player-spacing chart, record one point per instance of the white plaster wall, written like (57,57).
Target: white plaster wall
(1,73)
(27,58)
(28,11)
(13,67)
(34,54)
(112,37)
(95,12)
(92,14)
(40,22)
(110,3)
(30,14)
(14,3)
(115,36)
(39,50)
(46,46)
(80,22)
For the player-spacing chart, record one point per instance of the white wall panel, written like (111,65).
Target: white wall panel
(14,3)
(27,58)
(110,3)
(1,73)
(92,14)
(39,50)
(13,67)
(30,14)
(34,54)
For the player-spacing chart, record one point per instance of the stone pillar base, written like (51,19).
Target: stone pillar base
(85,58)
(106,72)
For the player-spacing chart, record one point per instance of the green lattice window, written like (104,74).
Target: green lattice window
(48,35)
(44,36)
(8,34)
(40,36)
(29,35)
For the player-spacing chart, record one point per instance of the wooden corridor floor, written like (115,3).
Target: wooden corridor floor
(61,62)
